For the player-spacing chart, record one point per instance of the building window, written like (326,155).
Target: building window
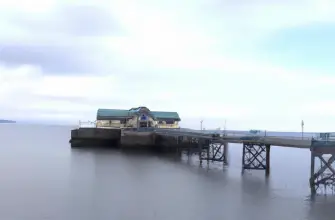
(143,117)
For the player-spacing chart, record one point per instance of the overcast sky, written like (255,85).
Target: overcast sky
(257,64)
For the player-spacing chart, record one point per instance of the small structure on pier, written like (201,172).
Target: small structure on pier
(139,117)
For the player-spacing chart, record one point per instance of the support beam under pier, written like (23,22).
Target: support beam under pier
(214,151)
(322,179)
(256,156)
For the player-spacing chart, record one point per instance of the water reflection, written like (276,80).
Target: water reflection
(321,207)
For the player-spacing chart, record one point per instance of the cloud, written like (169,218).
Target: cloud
(73,20)
(63,60)
(52,59)
(58,39)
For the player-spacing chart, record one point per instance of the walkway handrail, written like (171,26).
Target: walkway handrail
(87,124)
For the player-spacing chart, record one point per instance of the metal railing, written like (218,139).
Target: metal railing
(307,138)
(87,124)
(95,124)
(168,126)
(202,133)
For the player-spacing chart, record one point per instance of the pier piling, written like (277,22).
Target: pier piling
(215,151)
(256,156)
(268,164)
(225,152)
(200,148)
(322,176)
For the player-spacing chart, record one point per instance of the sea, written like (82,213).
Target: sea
(43,178)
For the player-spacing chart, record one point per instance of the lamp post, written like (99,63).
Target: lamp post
(302,129)
(201,124)
(224,129)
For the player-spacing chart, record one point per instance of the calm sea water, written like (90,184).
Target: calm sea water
(43,178)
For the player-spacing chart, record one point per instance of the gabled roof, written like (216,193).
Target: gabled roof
(137,109)
(166,115)
(121,113)
(115,113)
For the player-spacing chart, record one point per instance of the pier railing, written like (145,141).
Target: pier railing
(206,132)
(201,133)
(291,137)
(87,124)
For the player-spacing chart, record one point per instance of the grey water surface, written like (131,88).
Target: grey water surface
(43,178)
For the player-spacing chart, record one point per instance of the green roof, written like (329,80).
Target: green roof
(165,115)
(113,113)
(120,113)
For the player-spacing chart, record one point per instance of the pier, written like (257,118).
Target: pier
(142,129)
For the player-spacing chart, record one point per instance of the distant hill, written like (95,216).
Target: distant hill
(6,121)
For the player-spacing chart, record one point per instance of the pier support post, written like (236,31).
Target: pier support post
(256,156)
(311,178)
(194,144)
(216,151)
(225,152)
(200,148)
(178,145)
(268,148)
(322,179)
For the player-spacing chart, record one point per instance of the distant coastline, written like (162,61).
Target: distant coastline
(7,121)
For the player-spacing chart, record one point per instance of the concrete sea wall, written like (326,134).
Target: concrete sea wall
(128,139)
(95,136)
(137,139)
